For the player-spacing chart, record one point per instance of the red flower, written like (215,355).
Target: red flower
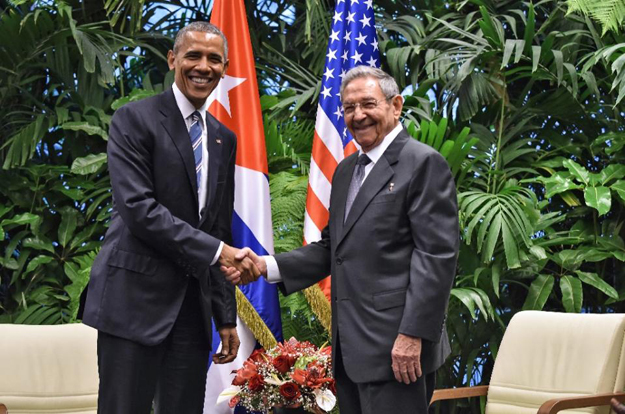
(257,355)
(290,391)
(256,383)
(234,401)
(332,386)
(326,351)
(313,377)
(245,373)
(283,363)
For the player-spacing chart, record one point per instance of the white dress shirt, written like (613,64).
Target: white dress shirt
(273,273)
(187,109)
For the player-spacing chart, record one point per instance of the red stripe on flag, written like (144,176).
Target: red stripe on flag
(350,148)
(323,158)
(316,210)
(246,120)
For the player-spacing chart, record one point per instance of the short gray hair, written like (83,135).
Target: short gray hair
(204,27)
(387,83)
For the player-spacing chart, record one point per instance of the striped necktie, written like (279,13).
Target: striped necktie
(196,141)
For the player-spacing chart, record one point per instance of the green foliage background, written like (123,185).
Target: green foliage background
(525,100)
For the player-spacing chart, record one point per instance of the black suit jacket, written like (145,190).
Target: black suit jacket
(156,240)
(392,262)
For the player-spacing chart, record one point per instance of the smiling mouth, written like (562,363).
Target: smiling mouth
(199,81)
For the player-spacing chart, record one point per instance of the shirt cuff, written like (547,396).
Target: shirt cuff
(273,272)
(221,246)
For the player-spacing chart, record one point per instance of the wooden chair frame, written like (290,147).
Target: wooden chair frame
(549,407)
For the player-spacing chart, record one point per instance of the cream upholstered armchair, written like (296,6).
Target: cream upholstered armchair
(48,369)
(555,362)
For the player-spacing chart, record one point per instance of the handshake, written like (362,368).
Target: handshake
(241,266)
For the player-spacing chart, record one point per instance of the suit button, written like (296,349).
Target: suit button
(339,260)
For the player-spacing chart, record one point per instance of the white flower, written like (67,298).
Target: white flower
(325,399)
(228,393)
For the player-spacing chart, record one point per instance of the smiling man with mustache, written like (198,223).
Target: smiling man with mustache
(155,284)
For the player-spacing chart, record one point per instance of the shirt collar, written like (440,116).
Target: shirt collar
(185,106)
(375,154)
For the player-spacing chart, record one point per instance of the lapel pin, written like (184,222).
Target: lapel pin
(218,141)
(390,186)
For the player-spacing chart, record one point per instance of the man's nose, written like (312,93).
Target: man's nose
(359,113)
(203,65)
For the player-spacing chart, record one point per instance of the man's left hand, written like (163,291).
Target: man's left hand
(406,355)
(229,346)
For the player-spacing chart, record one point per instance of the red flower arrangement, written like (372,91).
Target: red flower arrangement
(291,374)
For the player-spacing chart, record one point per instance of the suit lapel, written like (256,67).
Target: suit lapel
(173,123)
(214,160)
(340,187)
(379,176)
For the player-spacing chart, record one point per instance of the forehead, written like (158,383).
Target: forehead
(201,40)
(362,88)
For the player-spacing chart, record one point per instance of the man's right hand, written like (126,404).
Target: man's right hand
(235,276)
(244,266)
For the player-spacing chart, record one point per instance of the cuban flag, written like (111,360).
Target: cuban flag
(235,102)
(353,42)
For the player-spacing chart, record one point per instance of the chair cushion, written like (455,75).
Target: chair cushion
(48,369)
(546,355)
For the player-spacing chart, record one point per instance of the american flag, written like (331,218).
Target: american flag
(353,42)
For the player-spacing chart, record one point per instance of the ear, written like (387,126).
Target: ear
(398,103)
(223,74)
(171,57)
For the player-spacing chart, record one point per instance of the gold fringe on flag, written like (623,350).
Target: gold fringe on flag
(320,306)
(254,322)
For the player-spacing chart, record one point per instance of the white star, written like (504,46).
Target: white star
(334,36)
(342,73)
(338,112)
(372,62)
(331,55)
(220,94)
(344,57)
(326,92)
(369,4)
(357,57)
(375,44)
(350,17)
(337,17)
(365,21)
(355,2)
(362,39)
(328,74)
(342,1)
(347,36)
(344,132)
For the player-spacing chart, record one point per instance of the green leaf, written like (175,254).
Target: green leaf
(595,281)
(558,183)
(467,297)
(22,219)
(67,227)
(37,261)
(619,187)
(598,198)
(86,128)
(572,294)
(38,243)
(568,259)
(609,173)
(577,170)
(9,263)
(89,164)
(539,292)
(496,276)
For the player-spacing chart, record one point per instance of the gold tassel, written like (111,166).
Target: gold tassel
(320,306)
(254,322)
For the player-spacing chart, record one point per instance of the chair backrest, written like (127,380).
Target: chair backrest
(546,355)
(48,369)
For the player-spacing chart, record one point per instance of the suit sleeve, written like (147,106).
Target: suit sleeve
(223,297)
(131,171)
(305,266)
(433,215)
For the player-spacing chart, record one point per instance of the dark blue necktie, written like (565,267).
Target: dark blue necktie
(196,141)
(357,178)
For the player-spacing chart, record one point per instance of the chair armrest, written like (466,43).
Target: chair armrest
(3,409)
(456,393)
(559,404)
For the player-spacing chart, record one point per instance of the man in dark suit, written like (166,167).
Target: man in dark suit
(156,283)
(391,246)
